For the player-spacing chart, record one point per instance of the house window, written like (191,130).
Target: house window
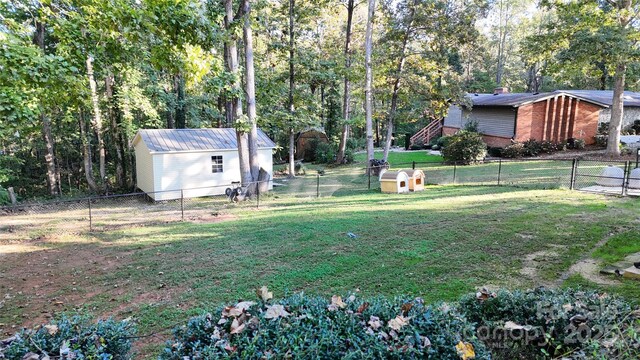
(216,164)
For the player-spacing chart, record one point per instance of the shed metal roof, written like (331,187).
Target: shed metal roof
(181,140)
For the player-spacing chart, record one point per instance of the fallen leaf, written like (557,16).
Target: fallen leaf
(398,322)
(51,329)
(245,305)
(425,342)
(275,311)
(374,322)
(406,307)
(351,298)
(337,301)
(362,308)
(236,327)
(465,351)
(264,294)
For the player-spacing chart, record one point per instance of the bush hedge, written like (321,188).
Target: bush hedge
(546,323)
(73,337)
(301,327)
(464,147)
(504,325)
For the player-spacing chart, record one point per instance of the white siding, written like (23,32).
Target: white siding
(454,117)
(495,121)
(144,168)
(629,115)
(192,170)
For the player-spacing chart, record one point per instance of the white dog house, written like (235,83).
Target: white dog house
(394,182)
(192,162)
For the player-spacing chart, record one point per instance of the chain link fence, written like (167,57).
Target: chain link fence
(124,211)
(211,204)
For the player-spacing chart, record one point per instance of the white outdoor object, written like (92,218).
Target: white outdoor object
(394,182)
(382,171)
(634,179)
(611,176)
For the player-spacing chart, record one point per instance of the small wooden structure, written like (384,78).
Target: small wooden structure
(416,180)
(394,182)
(306,144)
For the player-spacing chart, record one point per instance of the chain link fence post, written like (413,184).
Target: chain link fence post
(182,204)
(455,163)
(317,185)
(574,168)
(625,177)
(499,170)
(90,219)
(258,195)
(413,166)
(369,176)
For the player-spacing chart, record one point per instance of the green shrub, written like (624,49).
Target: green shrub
(531,147)
(551,323)
(471,125)
(576,144)
(4,197)
(417,145)
(464,147)
(349,156)
(302,327)
(76,337)
(442,141)
(515,150)
(325,153)
(494,151)
(601,140)
(548,147)
(356,143)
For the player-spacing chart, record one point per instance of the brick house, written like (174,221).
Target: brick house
(554,116)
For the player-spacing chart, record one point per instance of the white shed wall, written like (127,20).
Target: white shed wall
(192,171)
(144,168)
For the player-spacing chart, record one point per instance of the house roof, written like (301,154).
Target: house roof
(519,99)
(606,96)
(183,140)
(603,98)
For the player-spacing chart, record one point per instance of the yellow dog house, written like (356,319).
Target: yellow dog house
(416,180)
(394,182)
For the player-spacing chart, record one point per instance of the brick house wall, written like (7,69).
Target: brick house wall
(558,119)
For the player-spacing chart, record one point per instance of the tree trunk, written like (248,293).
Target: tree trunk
(292,153)
(292,165)
(396,86)
(86,156)
(47,134)
(368,82)
(113,113)
(181,114)
(250,90)
(97,118)
(236,106)
(617,110)
(346,106)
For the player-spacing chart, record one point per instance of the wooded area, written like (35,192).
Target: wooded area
(79,77)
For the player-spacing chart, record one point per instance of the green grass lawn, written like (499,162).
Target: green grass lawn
(437,244)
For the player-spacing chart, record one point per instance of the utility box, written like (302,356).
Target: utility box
(394,182)
(416,180)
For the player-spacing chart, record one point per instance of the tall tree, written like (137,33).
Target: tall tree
(368,47)
(573,42)
(292,84)
(406,29)
(250,90)
(346,104)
